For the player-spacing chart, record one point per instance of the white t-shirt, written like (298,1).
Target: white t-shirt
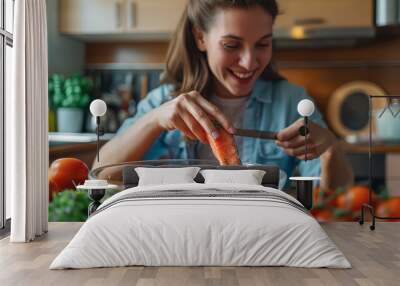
(233,108)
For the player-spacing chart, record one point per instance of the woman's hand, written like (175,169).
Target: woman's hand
(192,114)
(319,140)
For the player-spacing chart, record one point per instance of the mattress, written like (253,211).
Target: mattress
(201,225)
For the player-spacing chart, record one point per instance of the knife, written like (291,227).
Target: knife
(256,134)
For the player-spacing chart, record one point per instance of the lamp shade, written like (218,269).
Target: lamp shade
(306,107)
(98,107)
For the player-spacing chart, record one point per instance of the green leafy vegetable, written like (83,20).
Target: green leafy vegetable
(69,205)
(69,92)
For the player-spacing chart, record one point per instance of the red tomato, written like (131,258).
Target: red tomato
(354,198)
(389,208)
(64,172)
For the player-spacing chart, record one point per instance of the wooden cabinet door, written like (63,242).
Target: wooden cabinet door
(326,13)
(92,16)
(153,16)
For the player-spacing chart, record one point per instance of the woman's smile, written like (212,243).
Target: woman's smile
(242,78)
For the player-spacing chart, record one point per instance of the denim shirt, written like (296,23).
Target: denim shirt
(272,106)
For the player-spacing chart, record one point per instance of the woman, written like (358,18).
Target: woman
(219,70)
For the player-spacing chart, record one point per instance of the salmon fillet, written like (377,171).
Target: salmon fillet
(224,148)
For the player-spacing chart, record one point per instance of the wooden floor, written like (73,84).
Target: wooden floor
(375,256)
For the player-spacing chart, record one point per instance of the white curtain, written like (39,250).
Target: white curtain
(27,123)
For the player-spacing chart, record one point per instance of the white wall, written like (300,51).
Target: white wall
(66,55)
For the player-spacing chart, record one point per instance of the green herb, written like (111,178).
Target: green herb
(69,205)
(69,92)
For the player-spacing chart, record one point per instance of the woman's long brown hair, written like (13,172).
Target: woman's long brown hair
(186,66)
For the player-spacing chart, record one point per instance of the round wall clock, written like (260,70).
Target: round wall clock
(348,108)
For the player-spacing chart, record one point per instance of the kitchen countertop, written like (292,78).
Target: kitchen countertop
(59,138)
(82,146)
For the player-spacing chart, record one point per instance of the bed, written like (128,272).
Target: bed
(201,224)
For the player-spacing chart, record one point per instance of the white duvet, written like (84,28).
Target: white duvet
(202,231)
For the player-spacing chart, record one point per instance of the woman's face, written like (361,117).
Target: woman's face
(238,47)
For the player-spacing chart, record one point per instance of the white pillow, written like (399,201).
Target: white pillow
(248,177)
(163,176)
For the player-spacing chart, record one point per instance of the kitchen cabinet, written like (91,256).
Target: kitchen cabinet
(120,17)
(336,13)
(91,16)
(143,20)
(316,14)
(153,16)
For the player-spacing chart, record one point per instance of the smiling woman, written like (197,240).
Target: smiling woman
(234,40)
(219,72)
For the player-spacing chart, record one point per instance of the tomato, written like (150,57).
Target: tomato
(354,198)
(66,172)
(389,208)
